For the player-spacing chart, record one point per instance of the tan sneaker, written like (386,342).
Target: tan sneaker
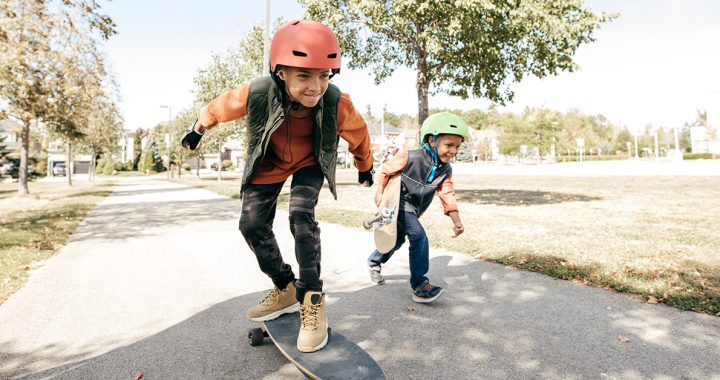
(275,304)
(313,333)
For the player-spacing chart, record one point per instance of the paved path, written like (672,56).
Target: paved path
(158,278)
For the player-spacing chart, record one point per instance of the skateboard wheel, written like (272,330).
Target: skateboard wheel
(367,224)
(256,336)
(385,212)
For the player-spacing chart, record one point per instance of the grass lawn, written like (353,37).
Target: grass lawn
(32,228)
(655,237)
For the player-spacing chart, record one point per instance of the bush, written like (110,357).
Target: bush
(41,167)
(100,165)
(186,166)
(108,166)
(227,164)
(697,156)
(119,166)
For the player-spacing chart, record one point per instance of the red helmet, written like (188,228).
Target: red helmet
(305,43)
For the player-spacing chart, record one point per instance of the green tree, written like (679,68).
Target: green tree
(622,138)
(462,48)
(137,148)
(516,132)
(225,72)
(31,40)
(102,132)
(151,160)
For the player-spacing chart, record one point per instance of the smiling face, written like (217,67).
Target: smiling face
(305,86)
(447,146)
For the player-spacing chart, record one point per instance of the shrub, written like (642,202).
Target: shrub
(41,167)
(227,165)
(697,156)
(108,166)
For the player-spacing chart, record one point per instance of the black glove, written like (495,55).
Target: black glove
(366,178)
(191,139)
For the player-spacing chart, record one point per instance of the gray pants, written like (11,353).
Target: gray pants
(259,203)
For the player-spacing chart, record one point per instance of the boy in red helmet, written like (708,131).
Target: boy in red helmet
(294,118)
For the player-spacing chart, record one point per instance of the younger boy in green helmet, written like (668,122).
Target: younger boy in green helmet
(424,171)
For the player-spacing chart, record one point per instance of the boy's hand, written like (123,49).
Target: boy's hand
(458,228)
(366,178)
(378,198)
(192,136)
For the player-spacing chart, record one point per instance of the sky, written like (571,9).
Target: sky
(655,64)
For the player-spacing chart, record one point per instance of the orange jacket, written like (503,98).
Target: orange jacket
(396,165)
(291,145)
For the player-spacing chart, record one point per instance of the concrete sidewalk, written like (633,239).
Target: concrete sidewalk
(157,278)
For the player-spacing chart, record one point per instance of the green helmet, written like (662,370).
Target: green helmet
(443,123)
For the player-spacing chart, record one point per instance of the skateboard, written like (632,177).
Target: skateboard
(339,359)
(385,220)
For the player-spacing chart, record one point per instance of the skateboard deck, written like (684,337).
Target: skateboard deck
(339,359)
(385,220)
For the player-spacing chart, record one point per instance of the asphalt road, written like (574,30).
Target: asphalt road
(157,278)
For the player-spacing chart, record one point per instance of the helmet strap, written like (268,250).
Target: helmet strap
(434,153)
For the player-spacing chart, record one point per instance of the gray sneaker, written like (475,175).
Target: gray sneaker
(375,277)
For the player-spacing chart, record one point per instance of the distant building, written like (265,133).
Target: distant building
(701,143)
(12,133)
(485,144)
(57,156)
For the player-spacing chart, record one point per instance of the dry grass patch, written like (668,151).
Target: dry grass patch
(32,228)
(656,237)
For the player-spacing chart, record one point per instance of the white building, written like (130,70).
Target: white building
(700,143)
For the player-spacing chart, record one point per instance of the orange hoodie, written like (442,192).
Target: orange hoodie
(290,146)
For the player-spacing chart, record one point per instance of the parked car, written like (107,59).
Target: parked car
(59,170)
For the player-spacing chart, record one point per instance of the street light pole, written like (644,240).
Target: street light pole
(657,155)
(636,151)
(628,144)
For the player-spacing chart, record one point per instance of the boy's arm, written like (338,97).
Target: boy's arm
(230,105)
(352,128)
(391,167)
(446,193)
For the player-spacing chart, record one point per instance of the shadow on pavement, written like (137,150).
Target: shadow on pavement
(129,220)
(493,322)
(503,197)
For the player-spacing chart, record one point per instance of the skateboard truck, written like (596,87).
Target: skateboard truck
(381,215)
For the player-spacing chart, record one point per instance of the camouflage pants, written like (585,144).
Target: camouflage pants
(259,203)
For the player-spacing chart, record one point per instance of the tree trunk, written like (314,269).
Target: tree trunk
(422,85)
(197,169)
(68,162)
(91,171)
(179,165)
(24,153)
